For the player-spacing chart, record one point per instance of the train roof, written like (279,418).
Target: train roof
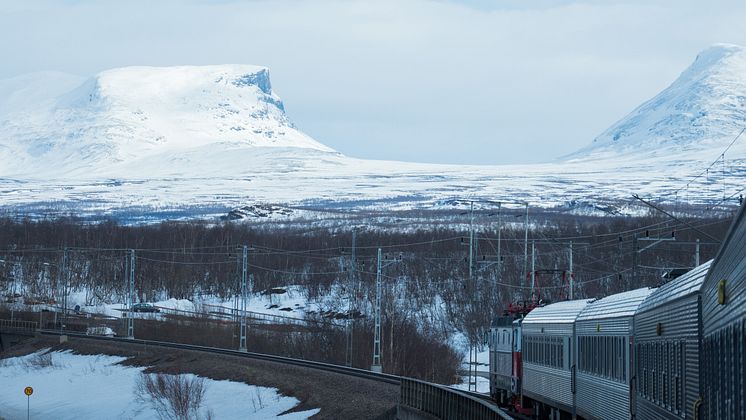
(617,305)
(560,312)
(682,286)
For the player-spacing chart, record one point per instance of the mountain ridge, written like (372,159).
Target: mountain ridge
(703,108)
(126,114)
(218,137)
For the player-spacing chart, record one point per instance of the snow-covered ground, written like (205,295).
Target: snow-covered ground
(460,342)
(293,303)
(79,387)
(483,385)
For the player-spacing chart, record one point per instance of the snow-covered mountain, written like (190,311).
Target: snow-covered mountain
(702,109)
(213,138)
(113,121)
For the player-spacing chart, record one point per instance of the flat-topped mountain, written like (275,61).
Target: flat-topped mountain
(112,121)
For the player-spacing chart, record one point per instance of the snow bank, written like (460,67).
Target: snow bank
(95,387)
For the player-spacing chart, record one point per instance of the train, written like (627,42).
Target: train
(677,351)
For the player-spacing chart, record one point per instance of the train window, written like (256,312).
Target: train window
(677,395)
(682,372)
(594,354)
(616,368)
(609,355)
(640,366)
(623,342)
(541,350)
(611,358)
(586,353)
(644,358)
(558,352)
(619,358)
(666,393)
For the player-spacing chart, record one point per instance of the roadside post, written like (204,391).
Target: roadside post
(28,391)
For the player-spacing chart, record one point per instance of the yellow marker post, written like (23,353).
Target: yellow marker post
(28,391)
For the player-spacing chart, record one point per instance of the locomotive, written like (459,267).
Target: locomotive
(672,352)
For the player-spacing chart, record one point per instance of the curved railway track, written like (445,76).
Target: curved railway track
(360,373)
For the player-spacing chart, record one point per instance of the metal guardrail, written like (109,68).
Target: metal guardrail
(230,314)
(18,325)
(446,403)
(273,318)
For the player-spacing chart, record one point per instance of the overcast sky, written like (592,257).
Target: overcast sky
(471,81)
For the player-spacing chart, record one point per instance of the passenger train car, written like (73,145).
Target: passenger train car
(548,356)
(667,337)
(676,352)
(724,328)
(606,362)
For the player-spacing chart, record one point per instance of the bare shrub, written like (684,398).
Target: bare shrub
(173,397)
(40,361)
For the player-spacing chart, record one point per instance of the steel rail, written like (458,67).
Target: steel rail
(360,373)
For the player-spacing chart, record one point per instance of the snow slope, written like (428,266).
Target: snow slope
(701,110)
(199,141)
(83,387)
(121,116)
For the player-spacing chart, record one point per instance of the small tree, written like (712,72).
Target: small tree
(173,397)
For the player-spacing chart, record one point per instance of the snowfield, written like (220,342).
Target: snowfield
(186,141)
(292,304)
(79,387)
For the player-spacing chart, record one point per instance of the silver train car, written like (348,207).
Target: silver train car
(676,352)
(548,355)
(724,328)
(501,346)
(605,360)
(667,347)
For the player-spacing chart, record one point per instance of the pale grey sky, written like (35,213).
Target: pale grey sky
(472,81)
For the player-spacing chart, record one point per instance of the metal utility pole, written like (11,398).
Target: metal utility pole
(131,297)
(63,284)
(244,298)
(499,229)
(237,296)
(696,254)
(635,252)
(572,274)
(471,242)
(525,242)
(533,267)
(376,367)
(350,305)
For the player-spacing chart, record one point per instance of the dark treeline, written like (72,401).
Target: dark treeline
(429,286)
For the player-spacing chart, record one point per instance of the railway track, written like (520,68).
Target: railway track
(328,367)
